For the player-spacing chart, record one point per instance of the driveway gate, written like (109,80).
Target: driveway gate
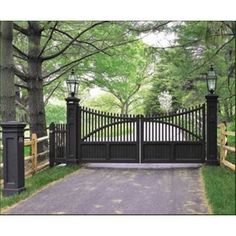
(106,137)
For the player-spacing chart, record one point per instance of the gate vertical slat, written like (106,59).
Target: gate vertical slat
(98,125)
(120,128)
(168,121)
(59,140)
(86,124)
(131,130)
(83,121)
(198,121)
(124,127)
(112,128)
(61,144)
(89,123)
(179,130)
(102,124)
(190,124)
(115,134)
(95,124)
(108,128)
(185,125)
(117,127)
(105,130)
(153,128)
(203,124)
(195,123)
(165,127)
(174,120)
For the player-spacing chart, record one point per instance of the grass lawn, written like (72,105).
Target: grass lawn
(220,189)
(38,181)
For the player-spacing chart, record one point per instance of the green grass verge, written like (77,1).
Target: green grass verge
(220,189)
(38,181)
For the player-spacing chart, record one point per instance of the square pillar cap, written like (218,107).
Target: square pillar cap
(211,96)
(13,124)
(72,99)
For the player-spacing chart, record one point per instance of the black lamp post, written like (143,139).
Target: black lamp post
(72,84)
(211,79)
(211,100)
(73,122)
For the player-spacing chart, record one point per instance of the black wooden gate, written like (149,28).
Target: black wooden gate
(106,137)
(174,137)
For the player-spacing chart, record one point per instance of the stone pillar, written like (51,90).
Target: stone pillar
(13,157)
(72,133)
(211,158)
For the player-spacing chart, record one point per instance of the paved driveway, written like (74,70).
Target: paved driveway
(120,191)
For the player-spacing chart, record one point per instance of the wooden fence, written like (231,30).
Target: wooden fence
(35,166)
(224,148)
(33,143)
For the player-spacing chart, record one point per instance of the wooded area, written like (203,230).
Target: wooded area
(114,59)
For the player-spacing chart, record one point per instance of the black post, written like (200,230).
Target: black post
(72,130)
(211,158)
(13,157)
(52,144)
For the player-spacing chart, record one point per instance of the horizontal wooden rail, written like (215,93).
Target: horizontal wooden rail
(228,164)
(42,139)
(232,149)
(229,133)
(224,148)
(33,157)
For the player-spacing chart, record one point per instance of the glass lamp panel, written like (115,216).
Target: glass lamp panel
(211,84)
(211,74)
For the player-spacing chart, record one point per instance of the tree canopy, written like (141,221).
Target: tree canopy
(114,57)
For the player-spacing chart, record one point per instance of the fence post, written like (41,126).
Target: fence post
(34,147)
(52,144)
(72,130)
(211,158)
(13,157)
(222,141)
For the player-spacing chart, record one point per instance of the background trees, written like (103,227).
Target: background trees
(113,57)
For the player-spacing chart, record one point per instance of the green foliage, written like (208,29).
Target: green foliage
(122,73)
(37,181)
(220,189)
(181,69)
(55,113)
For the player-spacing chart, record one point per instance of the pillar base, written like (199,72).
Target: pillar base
(72,161)
(212,162)
(9,192)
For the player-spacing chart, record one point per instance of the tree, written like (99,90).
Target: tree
(165,100)
(46,51)
(183,64)
(122,74)
(8,110)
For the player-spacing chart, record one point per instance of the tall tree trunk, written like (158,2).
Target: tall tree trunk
(35,83)
(8,106)
(0,71)
(126,108)
(122,109)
